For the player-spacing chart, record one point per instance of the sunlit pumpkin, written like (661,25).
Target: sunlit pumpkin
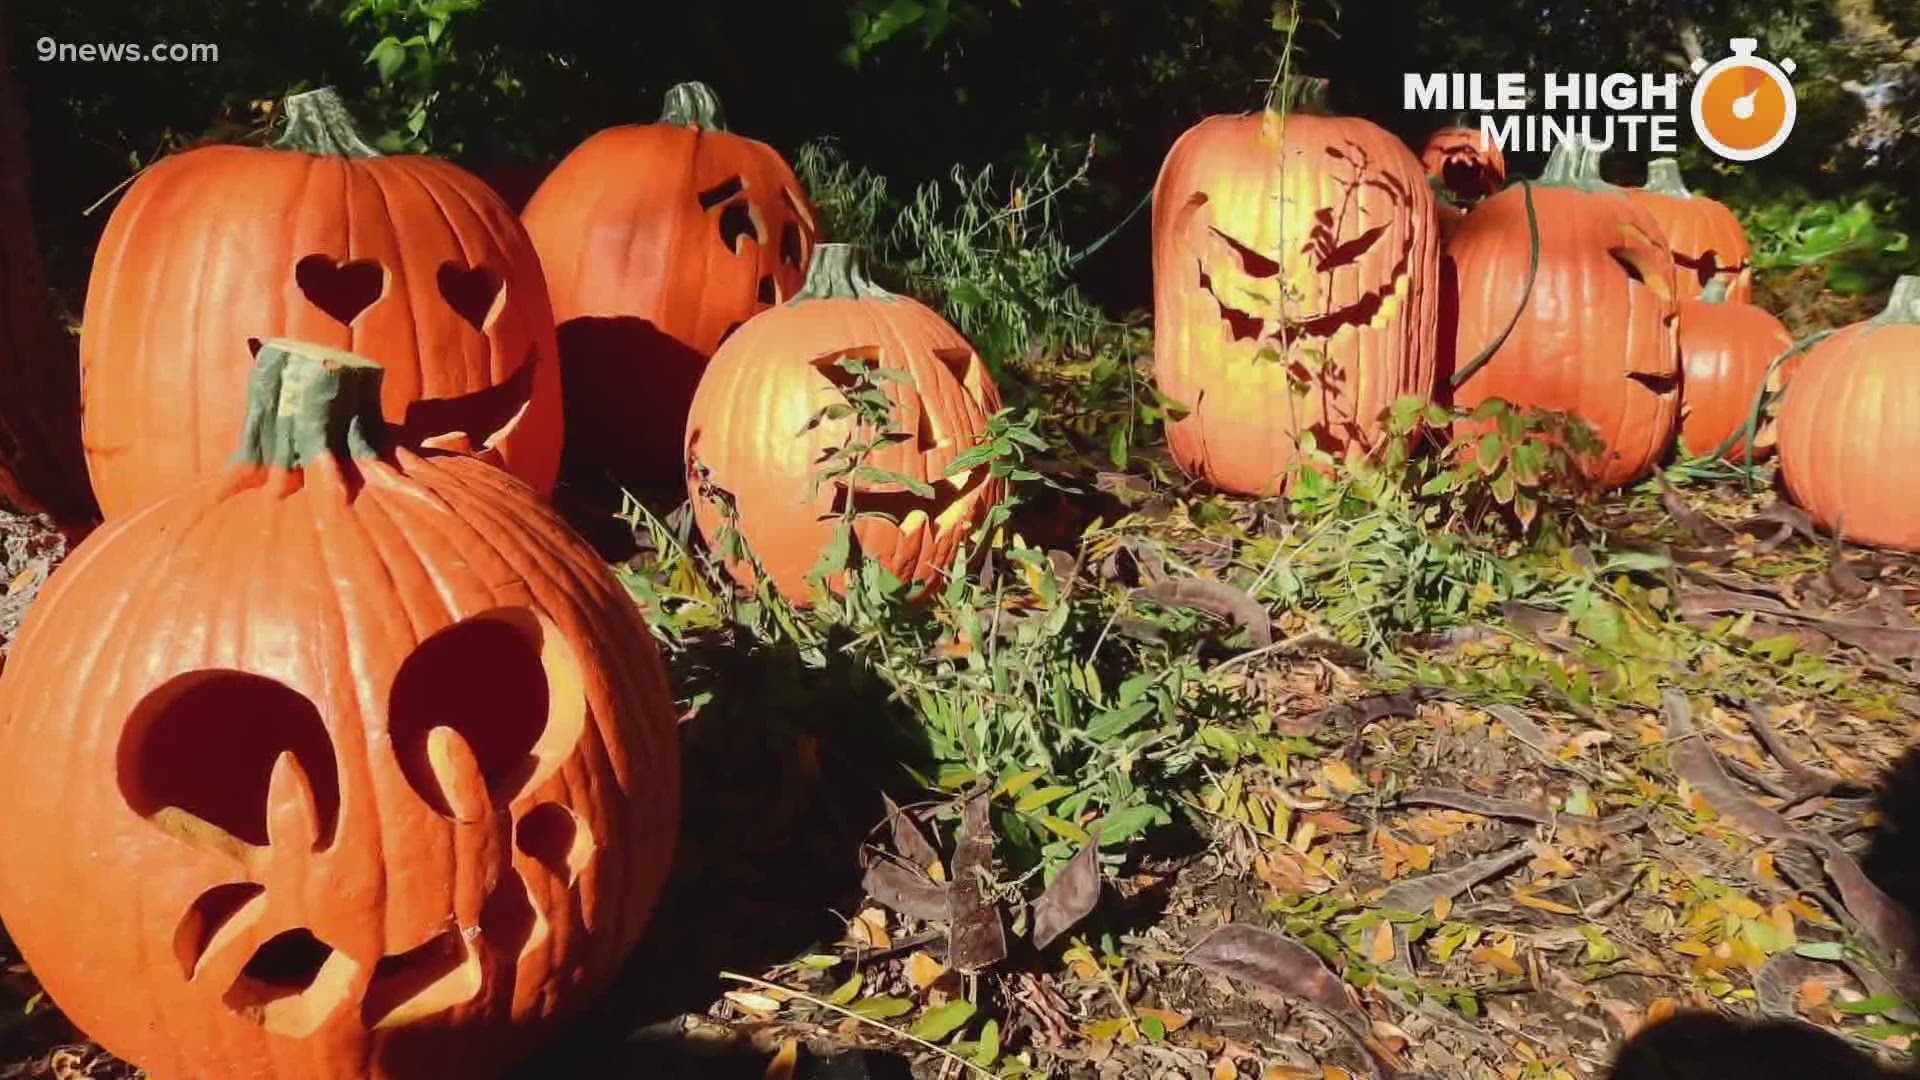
(1294,288)
(346,763)
(1597,335)
(659,241)
(1847,435)
(1726,348)
(1467,162)
(406,260)
(1707,241)
(756,436)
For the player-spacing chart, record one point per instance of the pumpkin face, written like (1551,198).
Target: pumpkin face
(1726,349)
(1707,241)
(1293,262)
(407,260)
(1846,430)
(660,240)
(754,432)
(1468,163)
(370,770)
(1597,336)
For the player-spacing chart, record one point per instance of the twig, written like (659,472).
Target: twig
(851,1015)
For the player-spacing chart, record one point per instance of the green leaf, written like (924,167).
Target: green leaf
(881,1008)
(1116,721)
(1123,825)
(1039,797)
(942,1020)
(846,991)
(1873,1006)
(987,1049)
(387,58)
(1821,950)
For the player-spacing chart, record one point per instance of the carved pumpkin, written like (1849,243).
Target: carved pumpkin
(406,260)
(1707,241)
(659,240)
(750,433)
(1847,435)
(1726,348)
(366,764)
(1467,162)
(1294,270)
(1597,335)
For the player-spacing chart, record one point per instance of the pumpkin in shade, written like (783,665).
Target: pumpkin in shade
(1464,160)
(406,260)
(1707,241)
(515,183)
(1847,436)
(756,432)
(363,764)
(659,240)
(1293,281)
(1726,349)
(1596,337)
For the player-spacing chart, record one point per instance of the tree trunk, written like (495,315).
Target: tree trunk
(42,468)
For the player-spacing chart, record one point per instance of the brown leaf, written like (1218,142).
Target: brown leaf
(1807,779)
(1281,965)
(1788,521)
(1702,528)
(1696,763)
(906,891)
(1476,804)
(908,840)
(1778,983)
(1216,598)
(1071,897)
(1841,574)
(976,940)
(1416,895)
(1534,620)
(1726,601)
(1360,712)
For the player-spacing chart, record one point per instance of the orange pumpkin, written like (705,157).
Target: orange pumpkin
(1726,349)
(1595,337)
(659,240)
(1466,161)
(1846,423)
(755,432)
(1707,241)
(366,765)
(1293,282)
(407,260)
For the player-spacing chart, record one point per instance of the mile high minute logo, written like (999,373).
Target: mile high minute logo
(1615,111)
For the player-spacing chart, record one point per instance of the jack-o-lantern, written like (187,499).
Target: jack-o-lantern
(1464,160)
(1293,278)
(757,442)
(659,240)
(366,765)
(1597,334)
(406,260)
(1707,241)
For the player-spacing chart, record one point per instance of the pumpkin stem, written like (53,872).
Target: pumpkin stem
(1302,95)
(307,401)
(1715,291)
(1663,178)
(1903,306)
(1574,164)
(839,272)
(318,123)
(695,105)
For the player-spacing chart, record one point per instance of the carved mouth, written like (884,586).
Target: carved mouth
(471,422)
(1659,384)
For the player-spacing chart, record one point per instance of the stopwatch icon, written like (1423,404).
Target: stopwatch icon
(1743,106)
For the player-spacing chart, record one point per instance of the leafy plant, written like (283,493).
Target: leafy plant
(1853,241)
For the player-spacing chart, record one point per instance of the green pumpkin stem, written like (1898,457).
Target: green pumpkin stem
(1663,178)
(1715,291)
(839,272)
(1302,95)
(306,402)
(318,123)
(695,105)
(1903,305)
(1574,164)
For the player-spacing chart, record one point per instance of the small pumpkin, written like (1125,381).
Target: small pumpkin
(1595,336)
(1726,350)
(1846,427)
(757,434)
(659,241)
(1707,241)
(1294,287)
(1466,161)
(367,764)
(407,260)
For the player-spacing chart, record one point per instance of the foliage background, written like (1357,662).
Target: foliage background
(910,88)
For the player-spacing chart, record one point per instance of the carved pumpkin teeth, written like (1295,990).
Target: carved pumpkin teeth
(954,515)
(457,770)
(293,816)
(915,521)
(959,481)
(455,442)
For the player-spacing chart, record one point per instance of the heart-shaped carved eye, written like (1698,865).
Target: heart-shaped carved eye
(342,290)
(476,294)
